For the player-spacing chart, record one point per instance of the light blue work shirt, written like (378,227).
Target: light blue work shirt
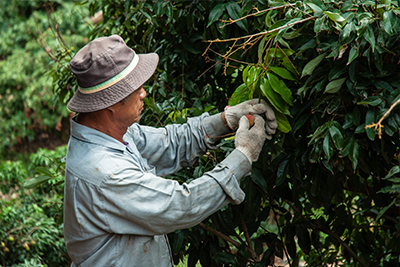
(117,207)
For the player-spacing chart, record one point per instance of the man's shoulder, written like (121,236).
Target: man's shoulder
(94,162)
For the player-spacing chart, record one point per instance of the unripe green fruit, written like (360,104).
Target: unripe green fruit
(26,246)
(33,242)
(6,249)
(3,245)
(11,238)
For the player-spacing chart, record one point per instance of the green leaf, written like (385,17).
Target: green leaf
(336,72)
(177,241)
(274,98)
(282,172)
(334,86)
(32,183)
(170,13)
(43,170)
(216,13)
(310,66)
(353,54)
(337,136)
(388,17)
(380,214)
(346,32)
(369,36)
(193,258)
(284,73)
(224,258)
(280,87)
(319,131)
(234,11)
(261,47)
(327,147)
(283,123)
(371,100)
(354,153)
(241,94)
(290,232)
(370,118)
(335,17)
(304,239)
(258,179)
(317,10)
(394,170)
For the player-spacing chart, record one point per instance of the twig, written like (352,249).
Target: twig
(221,235)
(254,14)
(248,240)
(345,246)
(378,126)
(263,33)
(331,234)
(280,233)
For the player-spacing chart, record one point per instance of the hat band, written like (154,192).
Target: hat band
(113,80)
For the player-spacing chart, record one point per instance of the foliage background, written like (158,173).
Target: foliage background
(325,190)
(32,120)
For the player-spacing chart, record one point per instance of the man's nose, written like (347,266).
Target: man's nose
(142,93)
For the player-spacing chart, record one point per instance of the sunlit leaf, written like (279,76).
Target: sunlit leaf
(335,17)
(280,87)
(274,98)
(284,73)
(283,123)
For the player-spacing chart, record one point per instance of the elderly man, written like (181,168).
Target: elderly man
(117,207)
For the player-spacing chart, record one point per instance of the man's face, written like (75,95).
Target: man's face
(129,110)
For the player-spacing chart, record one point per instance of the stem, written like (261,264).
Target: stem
(253,14)
(379,125)
(221,235)
(352,253)
(331,234)
(248,240)
(263,33)
(280,234)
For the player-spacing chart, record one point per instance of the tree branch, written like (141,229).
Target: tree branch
(248,240)
(253,14)
(221,235)
(378,126)
(262,33)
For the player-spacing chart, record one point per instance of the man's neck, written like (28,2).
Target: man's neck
(102,121)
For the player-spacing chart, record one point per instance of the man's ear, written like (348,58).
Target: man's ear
(114,107)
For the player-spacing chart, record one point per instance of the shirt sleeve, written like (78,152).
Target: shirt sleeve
(140,203)
(178,145)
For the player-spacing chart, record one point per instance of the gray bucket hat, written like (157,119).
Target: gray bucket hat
(107,71)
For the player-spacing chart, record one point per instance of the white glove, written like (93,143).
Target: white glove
(255,106)
(250,141)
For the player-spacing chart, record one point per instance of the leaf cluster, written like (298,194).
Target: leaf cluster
(325,189)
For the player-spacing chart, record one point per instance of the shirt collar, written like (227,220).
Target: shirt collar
(91,135)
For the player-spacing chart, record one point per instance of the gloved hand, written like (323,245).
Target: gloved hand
(250,141)
(260,106)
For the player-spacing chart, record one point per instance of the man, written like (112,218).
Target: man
(117,208)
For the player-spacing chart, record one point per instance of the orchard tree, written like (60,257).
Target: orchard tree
(325,189)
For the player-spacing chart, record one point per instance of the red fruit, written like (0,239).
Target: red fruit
(251,119)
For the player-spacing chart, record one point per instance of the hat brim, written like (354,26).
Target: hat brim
(83,103)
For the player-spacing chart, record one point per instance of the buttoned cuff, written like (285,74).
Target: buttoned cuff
(215,128)
(229,172)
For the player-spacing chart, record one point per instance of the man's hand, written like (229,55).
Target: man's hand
(250,141)
(255,106)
